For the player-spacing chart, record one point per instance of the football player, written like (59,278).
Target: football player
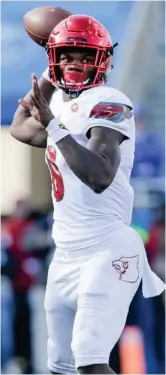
(88,131)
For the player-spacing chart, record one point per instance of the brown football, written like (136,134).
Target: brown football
(39,22)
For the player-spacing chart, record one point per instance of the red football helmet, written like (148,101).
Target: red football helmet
(84,32)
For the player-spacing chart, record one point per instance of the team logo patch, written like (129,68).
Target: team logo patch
(127,268)
(74,107)
(114,112)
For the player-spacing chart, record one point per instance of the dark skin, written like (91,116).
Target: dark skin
(86,56)
(97,164)
(102,149)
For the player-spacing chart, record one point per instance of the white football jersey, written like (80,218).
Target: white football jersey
(83,218)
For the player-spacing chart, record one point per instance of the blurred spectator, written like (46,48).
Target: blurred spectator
(156,254)
(29,240)
(149,152)
(7,303)
(156,243)
(147,175)
(149,313)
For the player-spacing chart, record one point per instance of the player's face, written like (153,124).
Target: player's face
(79,60)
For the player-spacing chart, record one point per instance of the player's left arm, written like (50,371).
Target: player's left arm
(95,165)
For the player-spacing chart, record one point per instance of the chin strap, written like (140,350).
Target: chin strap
(71,93)
(74,93)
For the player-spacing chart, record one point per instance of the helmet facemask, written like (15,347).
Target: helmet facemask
(78,75)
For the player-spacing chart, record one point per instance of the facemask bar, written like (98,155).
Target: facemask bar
(57,70)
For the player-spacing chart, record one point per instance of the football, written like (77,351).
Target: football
(39,22)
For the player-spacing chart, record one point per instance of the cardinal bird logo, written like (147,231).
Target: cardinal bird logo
(127,268)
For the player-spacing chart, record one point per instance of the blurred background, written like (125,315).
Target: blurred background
(26,208)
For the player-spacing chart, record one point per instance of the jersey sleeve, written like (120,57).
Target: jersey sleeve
(115,113)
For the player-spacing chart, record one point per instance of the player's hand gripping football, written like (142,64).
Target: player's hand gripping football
(39,109)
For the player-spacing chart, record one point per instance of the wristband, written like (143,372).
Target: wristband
(55,132)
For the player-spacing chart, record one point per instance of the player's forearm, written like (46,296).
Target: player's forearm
(30,134)
(90,167)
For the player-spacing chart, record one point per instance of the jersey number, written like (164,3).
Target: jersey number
(56,178)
